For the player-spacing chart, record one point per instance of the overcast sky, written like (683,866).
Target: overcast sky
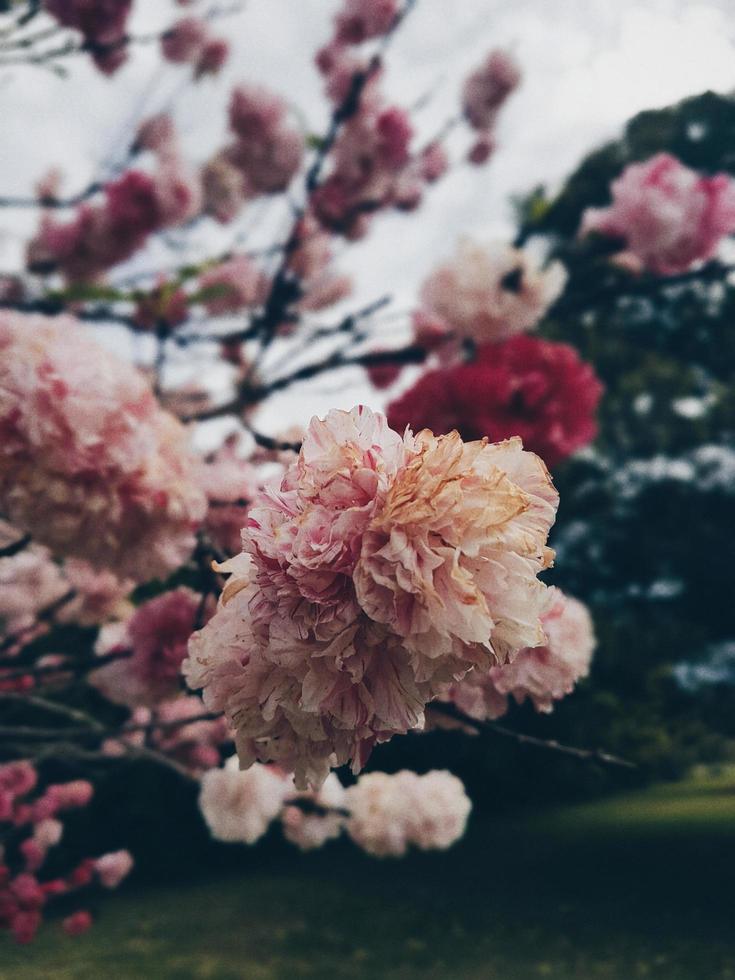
(588,66)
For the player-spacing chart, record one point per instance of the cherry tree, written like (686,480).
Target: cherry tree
(257,610)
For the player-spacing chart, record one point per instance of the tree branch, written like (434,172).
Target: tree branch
(584,755)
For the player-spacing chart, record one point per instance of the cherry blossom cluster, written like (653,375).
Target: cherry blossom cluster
(542,674)
(191,42)
(152,646)
(667,216)
(102,235)
(380,568)
(30,827)
(179,730)
(485,92)
(383,814)
(36,592)
(89,463)
(263,158)
(486,294)
(102,25)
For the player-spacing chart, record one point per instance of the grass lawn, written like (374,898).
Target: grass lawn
(641,886)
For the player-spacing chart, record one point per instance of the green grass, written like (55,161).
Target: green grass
(639,886)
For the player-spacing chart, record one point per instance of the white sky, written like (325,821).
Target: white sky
(588,66)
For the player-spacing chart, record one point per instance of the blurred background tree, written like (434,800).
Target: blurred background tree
(642,531)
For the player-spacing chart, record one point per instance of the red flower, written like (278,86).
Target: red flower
(535,389)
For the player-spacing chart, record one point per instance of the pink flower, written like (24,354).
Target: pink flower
(668,216)
(492,292)
(390,812)
(231,484)
(177,728)
(238,807)
(213,57)
(112,868)
(89,464)
(159,630)
(268,151)
(482,149)
(77,923)
(543,674)
(30,582)
(101,22)
(156,635)
(195,745)
(309,830)
(101,235)
(185,41)
(488,87)
(449,562)
(379,570)
(360,20)
(233,285)
(156,134)
(178,192)
(434,162)
(70,796)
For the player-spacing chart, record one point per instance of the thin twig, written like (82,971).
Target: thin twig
(585,755)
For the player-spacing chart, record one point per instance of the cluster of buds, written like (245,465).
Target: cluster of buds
(29,828)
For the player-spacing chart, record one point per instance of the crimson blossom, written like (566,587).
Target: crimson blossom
(536,389)
(380,569)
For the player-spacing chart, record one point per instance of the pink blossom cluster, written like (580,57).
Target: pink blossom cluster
(361,20)
(233,285)
(29,583)
(310,260)
(388,813)
(102,24)
(101,235)
(372,167)
(668,216)
(263,158)
(190,42)
(29,820)
(372,163)
(488,293)
(382,568)
(32,585)
(383,814)
(178,729)
(231,484)
(155,638)
(323,818)
(542,674)
(89,464)
(239,807)
(485,92)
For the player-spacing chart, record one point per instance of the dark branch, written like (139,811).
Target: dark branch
(584,755)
